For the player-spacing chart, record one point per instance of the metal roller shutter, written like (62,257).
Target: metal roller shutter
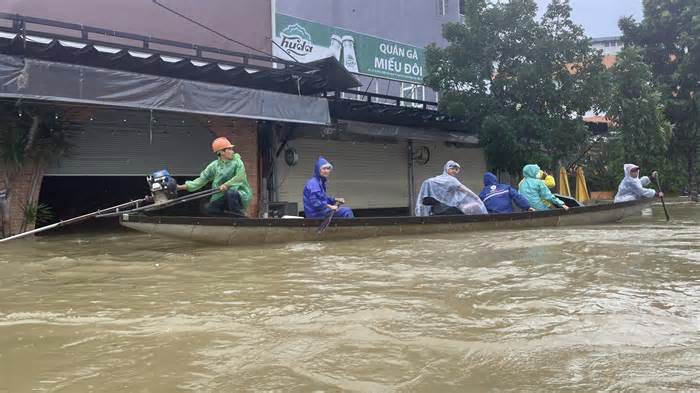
(367,175)
(471,160)
(121,143)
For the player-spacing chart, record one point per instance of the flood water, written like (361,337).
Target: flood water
(610,308)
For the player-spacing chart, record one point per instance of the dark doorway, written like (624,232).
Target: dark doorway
(72,196)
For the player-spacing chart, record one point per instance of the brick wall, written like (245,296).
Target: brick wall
(243,133)
(20,192)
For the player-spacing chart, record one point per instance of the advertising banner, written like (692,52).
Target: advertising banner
(306,41)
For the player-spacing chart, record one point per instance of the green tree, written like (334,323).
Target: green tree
(669,36)
(636,107)
(524,83)
(462,71)
(29,135)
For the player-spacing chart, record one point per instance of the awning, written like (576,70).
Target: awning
(406,133)
(400,115)
(72,83)
(306,79)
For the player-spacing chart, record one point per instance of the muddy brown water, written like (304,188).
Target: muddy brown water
(610,308)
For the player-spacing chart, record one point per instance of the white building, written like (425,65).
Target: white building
(609,45)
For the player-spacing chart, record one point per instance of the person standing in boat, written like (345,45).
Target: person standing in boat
(631,188)
(535,190)
(227,173)
(317,202)
(445,195)
(499,198)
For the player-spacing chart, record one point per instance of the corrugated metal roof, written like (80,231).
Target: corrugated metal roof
(313,78)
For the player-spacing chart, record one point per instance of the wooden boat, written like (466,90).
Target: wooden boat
(248,231)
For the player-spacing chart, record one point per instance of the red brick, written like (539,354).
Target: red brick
(243,133)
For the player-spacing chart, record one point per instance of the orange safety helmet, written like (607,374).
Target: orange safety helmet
(220,144)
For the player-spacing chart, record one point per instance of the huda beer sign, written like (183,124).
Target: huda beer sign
(306,41)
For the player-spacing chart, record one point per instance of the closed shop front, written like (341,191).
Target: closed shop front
(371,163)
(471,160)
(368,175)
(128,143)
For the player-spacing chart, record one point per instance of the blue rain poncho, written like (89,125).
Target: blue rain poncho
(499,198)
(632,188)
(316,199)
(447,190)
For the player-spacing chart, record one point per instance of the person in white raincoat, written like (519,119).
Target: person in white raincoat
(631,188)
(446,195)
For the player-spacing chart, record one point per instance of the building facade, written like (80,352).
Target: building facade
(382,146)
(373,173)
(414,22)
(609,45)
(247,21)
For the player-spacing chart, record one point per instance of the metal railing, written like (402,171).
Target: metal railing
(374,97)
(30,26)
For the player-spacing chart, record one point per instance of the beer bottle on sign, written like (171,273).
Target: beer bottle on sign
(336,46)
(349,58)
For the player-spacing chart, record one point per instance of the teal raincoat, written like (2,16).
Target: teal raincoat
(535,190)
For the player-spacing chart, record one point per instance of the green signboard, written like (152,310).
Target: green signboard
(306,41)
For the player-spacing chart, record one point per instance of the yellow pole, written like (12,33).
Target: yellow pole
(581,187)
(564,189)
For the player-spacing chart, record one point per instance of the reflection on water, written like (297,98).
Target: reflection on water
(555,309)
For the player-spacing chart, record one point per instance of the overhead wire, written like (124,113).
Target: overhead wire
(211,30)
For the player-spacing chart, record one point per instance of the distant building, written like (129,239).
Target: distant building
(609,45)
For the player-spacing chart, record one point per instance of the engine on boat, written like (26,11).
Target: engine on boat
(163,186)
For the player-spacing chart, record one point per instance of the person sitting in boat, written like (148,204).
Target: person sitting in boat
(546,178)
(227,173)
(536,191)
(317,203)
(499,198)
(631,188)
(548,181)
(445,195)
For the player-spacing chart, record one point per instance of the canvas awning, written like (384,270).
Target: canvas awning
(27,78)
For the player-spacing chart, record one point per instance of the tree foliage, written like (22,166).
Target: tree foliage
(29,134)
(669,37)
(636,107)
(524,83)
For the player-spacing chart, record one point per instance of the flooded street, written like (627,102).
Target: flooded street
(577,309)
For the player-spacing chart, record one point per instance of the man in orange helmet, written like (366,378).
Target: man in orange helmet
(227,173)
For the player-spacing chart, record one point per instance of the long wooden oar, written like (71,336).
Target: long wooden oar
(327,221)
(162,205)
(655,175)
(75,219)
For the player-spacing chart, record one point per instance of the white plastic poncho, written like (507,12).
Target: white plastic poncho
(447,190)
(631,188)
